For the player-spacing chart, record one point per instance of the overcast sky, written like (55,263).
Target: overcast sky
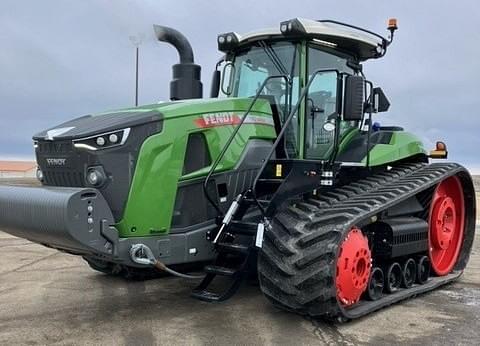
(60,59)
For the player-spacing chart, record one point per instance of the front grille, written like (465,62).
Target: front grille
(63,178)
(59,176)
(52,147)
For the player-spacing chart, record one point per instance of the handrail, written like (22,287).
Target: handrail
(230,140)
(287,122)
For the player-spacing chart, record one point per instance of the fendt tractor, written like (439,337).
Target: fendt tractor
(281,175)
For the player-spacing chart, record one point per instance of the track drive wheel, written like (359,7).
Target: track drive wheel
(353,268)
(447,218)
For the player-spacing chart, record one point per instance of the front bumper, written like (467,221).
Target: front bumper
(79,221)
(76,220)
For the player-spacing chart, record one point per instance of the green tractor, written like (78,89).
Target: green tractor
(282,173)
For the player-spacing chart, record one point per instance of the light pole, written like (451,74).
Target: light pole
(137,41)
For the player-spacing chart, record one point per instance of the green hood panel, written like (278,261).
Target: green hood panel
(159,168)
(185,108)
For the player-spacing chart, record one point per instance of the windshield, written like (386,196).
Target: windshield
(262,60)
(265,59)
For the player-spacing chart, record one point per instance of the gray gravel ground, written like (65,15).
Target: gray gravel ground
(47,297)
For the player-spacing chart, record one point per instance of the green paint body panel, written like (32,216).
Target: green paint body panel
(402,145)
(159,167)
(149,208)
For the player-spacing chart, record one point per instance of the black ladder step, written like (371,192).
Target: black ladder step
(219,270)
(202,292)
(241,227)
(270,180)
(252,201)
(233,248)
(206,296)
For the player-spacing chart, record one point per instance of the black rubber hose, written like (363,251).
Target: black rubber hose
(176,39)
(162,267)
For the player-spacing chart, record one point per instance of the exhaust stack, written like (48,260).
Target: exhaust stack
(186,82)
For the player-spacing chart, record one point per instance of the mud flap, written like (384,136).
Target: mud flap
(77,220)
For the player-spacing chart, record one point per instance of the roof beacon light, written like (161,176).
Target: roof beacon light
(392,27)
(392,24)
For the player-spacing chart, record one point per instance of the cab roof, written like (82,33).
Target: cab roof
(362,43)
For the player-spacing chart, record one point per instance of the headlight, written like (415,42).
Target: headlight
(39,175)
(292,27)
(228,41)
(103,141)
(96,176)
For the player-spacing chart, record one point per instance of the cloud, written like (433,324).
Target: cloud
(61,59)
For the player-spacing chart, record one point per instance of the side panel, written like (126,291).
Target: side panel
(385,147)
(402,145)
(151,201)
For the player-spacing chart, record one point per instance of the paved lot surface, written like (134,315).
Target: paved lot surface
(47,297)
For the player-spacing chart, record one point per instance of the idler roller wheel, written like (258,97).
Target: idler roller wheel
(394,277)
(375,284)
(447,222)
(409,273)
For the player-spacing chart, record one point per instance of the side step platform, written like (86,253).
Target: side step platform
(232,263)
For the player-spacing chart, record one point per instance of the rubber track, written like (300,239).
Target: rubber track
(297,264)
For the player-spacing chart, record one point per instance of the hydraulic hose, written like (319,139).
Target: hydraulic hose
(142,254)
(162,267)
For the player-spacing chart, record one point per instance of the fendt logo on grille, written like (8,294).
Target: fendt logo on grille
(56,162)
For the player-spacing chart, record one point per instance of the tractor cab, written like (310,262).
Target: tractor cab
(325,53)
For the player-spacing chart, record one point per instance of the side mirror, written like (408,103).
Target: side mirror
(353,98)
(380,102)
(215,90)
(227,78)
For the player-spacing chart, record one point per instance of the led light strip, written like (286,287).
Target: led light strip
(126,133)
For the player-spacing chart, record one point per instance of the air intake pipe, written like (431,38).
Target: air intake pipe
(186,82)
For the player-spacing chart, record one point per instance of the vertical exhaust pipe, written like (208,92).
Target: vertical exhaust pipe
(186,82)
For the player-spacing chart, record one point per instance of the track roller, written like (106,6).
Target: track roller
(423,270)
(394,277)
(409,273)
(375,284)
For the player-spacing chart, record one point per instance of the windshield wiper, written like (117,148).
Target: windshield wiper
(274,57)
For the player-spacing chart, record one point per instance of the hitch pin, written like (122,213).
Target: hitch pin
(228,216)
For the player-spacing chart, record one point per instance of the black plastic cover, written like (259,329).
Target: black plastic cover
(354,98)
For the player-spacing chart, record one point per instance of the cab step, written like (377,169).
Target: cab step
(243,228)
(220,270)
(232,248)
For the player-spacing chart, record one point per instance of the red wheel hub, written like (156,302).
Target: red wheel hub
(354,264)
(447,213)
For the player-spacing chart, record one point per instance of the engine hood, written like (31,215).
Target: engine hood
(90,125)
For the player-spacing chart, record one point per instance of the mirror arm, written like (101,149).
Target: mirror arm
(369,133)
